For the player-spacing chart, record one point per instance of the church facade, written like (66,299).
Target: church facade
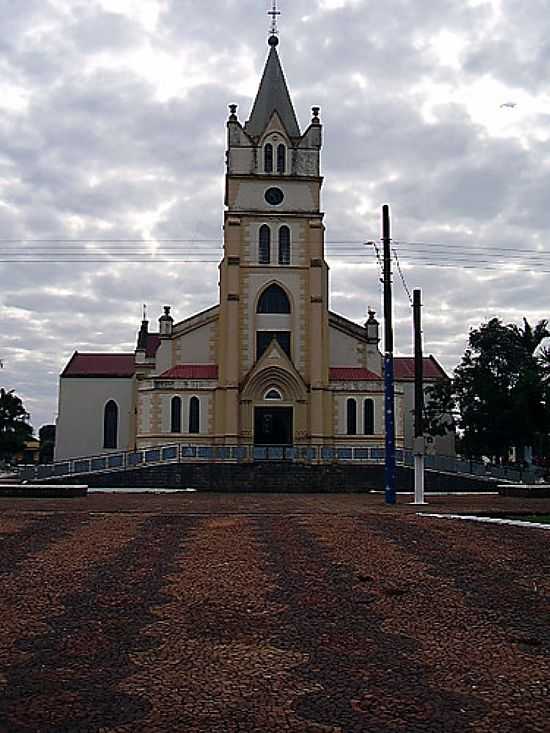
(270,364)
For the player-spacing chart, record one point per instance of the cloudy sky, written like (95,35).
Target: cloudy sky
(112,127)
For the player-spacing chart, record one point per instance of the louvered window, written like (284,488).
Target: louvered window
(264,254)
(268,158)
(281,159)
(284,246)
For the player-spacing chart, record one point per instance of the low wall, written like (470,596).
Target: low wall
(526,491)
(44,491)
(276,477)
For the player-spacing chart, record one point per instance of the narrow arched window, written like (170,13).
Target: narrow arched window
(281,159)
(368,417)
(351,417)
(273,300)
(175,415)
(110,425)
(284,246)
(264,255)
(194,415)
(268,158)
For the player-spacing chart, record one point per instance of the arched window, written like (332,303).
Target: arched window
(273,300)
(281,159)
(268,158)
(284,246)
(110,425)
(175,415)
(273,394)
(194,415)
(368,417)
(351,417)
(264,257)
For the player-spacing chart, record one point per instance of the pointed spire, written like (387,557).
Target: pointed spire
(273,96)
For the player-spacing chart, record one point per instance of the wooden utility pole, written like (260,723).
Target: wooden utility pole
(419,443)
(389,383)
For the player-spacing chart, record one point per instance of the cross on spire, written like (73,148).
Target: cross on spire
(274,12)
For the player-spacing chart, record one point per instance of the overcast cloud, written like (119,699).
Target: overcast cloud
(112,126)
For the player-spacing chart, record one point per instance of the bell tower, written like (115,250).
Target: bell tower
(273,276)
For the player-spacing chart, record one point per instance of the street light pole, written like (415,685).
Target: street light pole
(389,383)
(419,443)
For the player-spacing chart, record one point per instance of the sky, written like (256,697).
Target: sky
(112,127)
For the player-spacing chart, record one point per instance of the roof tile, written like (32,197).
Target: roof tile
(342,374)
(191,371)
(100,365)
(404,368)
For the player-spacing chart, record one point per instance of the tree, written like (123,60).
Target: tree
(440,408)
(46,436)
(500,393)
(499,389)
(14,428)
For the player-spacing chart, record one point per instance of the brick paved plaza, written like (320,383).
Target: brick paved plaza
(271,613)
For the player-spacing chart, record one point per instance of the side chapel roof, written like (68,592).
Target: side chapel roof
(108,364)
(100,365)
(191,371)
(404,368)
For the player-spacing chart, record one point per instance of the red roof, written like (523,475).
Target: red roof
(100,365)
(404,368)
(192,371)
(345,374)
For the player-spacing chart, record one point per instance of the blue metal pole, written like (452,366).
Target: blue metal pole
(389,402)
(389,382)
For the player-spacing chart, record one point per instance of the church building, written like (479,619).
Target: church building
(270,364)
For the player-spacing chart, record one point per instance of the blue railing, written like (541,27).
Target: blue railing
(168,454)
(204,453)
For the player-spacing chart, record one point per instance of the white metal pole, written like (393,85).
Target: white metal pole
(419,478)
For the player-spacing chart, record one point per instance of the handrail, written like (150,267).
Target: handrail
(312,454)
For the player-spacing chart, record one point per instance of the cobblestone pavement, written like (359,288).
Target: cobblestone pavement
(207,613)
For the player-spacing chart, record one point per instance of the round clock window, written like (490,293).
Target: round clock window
(274,196)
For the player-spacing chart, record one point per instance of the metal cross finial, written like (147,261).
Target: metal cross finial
(144,312)
(274,12)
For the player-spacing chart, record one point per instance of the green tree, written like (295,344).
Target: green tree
(440,408)
(46,436)
(14,426)
(499,389)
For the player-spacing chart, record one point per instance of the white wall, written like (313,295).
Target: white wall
(80,421)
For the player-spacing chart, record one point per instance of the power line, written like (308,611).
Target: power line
(402,276)
(194,240)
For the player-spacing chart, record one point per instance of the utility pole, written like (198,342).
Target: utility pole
(389,382)
(419,443)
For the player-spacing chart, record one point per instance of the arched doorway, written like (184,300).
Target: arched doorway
(273,425)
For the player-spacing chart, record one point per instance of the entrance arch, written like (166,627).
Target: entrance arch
(270,421)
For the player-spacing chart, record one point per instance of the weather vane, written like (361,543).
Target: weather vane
(274,12)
